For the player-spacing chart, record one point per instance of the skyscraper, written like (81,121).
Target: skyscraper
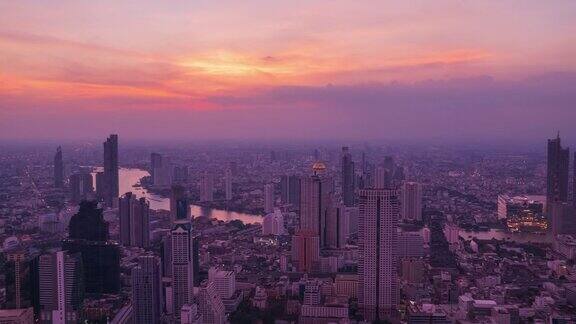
(306,250)
(88,235)
(111,187)
(412,201)
(557,172)
(134,221)
(210,305)
(147,290)
(58,169)
(155,163)
(268,197)
(207,187)
(228,183)
(60,287)
(81,186)
(290,190)
(18,279)
(347,175)
(574,181)
(377,243)
(179,204)
(315,198)
(182,265)
(336,226)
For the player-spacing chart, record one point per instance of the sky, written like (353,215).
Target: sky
(317,69)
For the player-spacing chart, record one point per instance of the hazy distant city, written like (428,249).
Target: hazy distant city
(287,162)
(218,233)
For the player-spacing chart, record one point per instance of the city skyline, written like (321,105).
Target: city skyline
(431,69)
(297,162)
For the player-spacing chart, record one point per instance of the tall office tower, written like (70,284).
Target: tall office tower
(290,190)
(134,215)
(182,265)
(411,201)
(228,183)
(378,245)
(574,182)
(100,186)
(88,235)
(164,173)
(155,163)
(81,186)
(306,250)
(563,217)
(224,282)
(18,280)
(111,187)
(58,169)
(166,254)
(557,173)
(179,204)
(315,198)
(60,287)
(196,259)
(337,226)
(207,187)
(210,305)
(347,175)
(147,290)
(268,197)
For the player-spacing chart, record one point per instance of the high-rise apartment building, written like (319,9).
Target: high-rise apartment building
(147,290)
(182,265)
(134,221)
(377,243)
(111,186)
(411,201)
(60,288)
(210,305)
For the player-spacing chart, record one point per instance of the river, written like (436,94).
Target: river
(503,235)
(130,177)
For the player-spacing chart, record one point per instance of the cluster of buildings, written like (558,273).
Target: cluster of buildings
(344,238)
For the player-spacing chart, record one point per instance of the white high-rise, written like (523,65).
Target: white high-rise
(210,305)
(268,197)
(412,201)
(378,255)
(182,265)
(60,286)
(224,282)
